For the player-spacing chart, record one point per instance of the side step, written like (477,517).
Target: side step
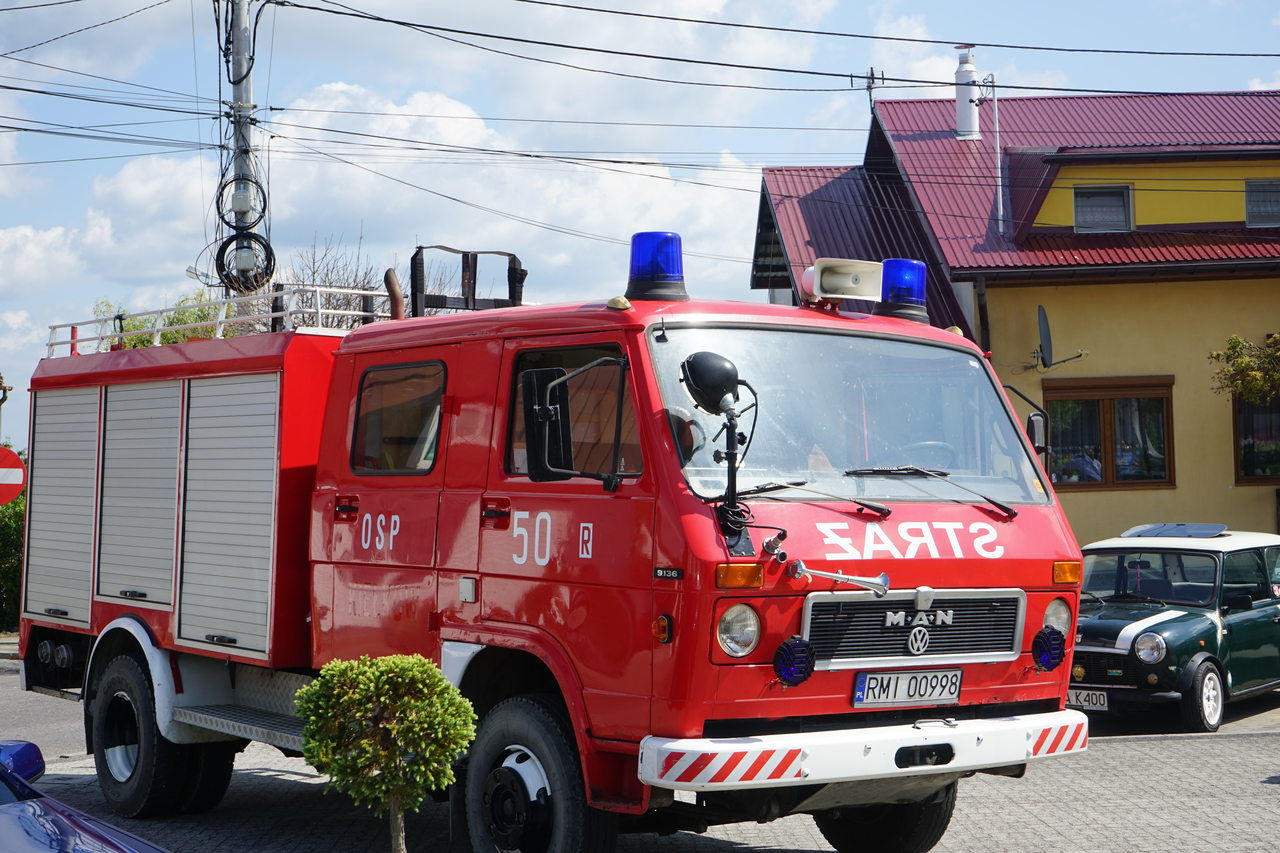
(282,730)
(72,695)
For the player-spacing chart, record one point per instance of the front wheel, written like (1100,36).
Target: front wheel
(524,789)
(140,771)
(907,828)
(1203,701)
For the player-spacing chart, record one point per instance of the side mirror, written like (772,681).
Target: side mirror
(548,433)
(711,380)
(22,759)
(1238,601)
(1038,431)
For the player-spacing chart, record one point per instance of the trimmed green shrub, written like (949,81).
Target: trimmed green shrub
(386,730)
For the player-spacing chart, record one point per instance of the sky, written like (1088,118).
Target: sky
(374,138)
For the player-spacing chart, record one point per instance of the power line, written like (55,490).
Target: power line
(84,29)
(559,229)
(950,42)
(39,5)
(664,125)
(438,31)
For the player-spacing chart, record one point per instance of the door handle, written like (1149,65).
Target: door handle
(346,507)
(495,514)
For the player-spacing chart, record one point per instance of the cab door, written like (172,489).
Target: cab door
(1252,642)
(375,589)
(569,561)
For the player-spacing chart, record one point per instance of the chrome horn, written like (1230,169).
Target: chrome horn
(878,585)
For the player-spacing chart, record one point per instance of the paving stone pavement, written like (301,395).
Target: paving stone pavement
(1125,795)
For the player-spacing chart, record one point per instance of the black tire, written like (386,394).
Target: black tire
(1203,702)
(909,828)
(209,767)
(522,744)
(141,772)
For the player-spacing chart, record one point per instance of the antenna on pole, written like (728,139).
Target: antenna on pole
(244,261)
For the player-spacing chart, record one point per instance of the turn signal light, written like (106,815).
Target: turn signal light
(663,629)
(1068,572)
(740,575)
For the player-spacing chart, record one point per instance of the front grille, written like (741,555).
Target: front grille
(847,630)
(1103,668)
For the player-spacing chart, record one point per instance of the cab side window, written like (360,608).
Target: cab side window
(397,429)
(1243,572)
(593,400)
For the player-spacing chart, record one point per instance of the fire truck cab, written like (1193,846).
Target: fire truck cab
(692,562)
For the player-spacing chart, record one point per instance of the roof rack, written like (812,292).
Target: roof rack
(332,308)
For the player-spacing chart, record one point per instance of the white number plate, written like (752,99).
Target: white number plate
(906,688)
(1089,700)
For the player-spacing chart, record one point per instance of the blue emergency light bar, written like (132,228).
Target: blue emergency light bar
(657,267)
(902,289)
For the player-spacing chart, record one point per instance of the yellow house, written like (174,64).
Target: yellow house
(1100,252)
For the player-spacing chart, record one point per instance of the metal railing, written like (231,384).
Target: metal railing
(336,308)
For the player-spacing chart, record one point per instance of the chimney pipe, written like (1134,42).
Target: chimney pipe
(966,95)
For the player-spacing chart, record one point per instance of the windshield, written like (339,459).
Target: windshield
(832,405)
(1171,577)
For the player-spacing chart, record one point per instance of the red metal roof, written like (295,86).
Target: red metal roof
(954,181)
(849,212)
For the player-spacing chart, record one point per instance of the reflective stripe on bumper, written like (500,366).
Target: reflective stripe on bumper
(816,758)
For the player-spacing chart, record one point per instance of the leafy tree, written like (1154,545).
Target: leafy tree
(193,309)
(386,730)
(12,515)
(1250,371)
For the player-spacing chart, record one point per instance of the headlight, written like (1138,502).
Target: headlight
(1149,647)
(1058,615)
(739,630)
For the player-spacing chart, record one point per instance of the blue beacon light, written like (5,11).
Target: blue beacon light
(903,283)
(657,267)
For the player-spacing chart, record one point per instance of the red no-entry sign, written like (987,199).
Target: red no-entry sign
(13,475)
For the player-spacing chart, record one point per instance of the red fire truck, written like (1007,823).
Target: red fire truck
(692,562)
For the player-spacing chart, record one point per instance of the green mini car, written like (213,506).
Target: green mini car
(1178,613)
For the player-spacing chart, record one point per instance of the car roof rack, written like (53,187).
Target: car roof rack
(1192,530)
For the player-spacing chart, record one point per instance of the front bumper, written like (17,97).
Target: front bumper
(819,758)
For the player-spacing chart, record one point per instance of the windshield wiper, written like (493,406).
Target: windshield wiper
(1094,596)
(769,487)
(916,471)
(1132,596)
(802,485)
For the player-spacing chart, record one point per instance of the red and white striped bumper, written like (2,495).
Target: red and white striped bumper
(816,758)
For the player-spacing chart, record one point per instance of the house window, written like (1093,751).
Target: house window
(1257,441)
(1103,209)
(1262,203)
(1110,433)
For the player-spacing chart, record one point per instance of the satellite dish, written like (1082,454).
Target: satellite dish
(1043,354)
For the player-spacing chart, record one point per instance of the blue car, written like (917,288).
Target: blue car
(31,822)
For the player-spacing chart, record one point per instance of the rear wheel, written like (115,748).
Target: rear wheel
(141,772)
(1202,704)
(907,828)
(524,789)
(209,767)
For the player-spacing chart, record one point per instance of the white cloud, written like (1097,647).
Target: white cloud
(32,259)
(1257,83)
(17,331)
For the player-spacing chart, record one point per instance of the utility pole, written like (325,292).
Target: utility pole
(245,261)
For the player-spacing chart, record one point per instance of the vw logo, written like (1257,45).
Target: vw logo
(917,641)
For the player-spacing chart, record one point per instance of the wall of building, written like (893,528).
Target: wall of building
(1163,193)
(1148,329)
